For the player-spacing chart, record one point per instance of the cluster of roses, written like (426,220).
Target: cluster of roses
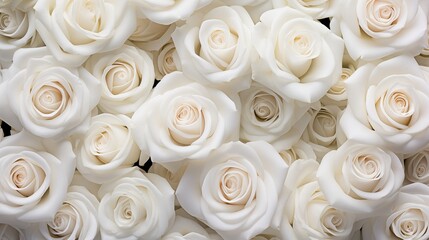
(265,123)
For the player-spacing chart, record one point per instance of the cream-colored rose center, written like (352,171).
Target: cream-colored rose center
(289,156)
(324,124)
(64,222)
(382,14)
(106,142)
(265,107)
(395,108)
(234,187)
(89,15)
(122,77)
(187,123)
(218,43)
(127,212)
(332,221)
(168,65)
(50,100)
(409,224)
(26,177)
(416,167)
(4,20)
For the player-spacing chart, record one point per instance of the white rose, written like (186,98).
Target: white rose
(267,116)
(151,36)
(360,178)
(8,232)
(126,76)
(107,150)
(317,9)
(300,150)
(321,132)
(235,189)
(17,28)
(374,29)
(166,60)
(76,218)
(137,206)
(299,57)
(406,219)
(75,29)
(35,174)
(195,120)
(167,12)
(214,47)
(45,97)
(303,212)
(388,105)
(417,166)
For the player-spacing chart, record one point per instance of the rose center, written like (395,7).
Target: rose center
(366,167)
(64,222)
(26,177)
(50,100)
(122,77)
(234,186)
(4,20)
(265,107)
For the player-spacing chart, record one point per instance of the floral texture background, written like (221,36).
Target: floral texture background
(214,119)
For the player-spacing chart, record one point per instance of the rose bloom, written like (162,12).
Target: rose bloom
(214,47)
(76,218)
(374,29)
(407,218)
(321,132)
(360,178)
(298,57)
(126,76)
(267,116)
(317,9)
(388,105)
(166,60)
(300,150)
(235,189)
(45,97)
(35,174)
(194,120)
(107,150)
(73,30)
(303,211)
(186,229)
(136,206)
(23,5)
(17,29)
(168,12)
(417,166)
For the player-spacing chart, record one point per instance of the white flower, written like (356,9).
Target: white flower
(75,29)
(46,98)
(126,76)
(184,119)
(406,219)
(136,206)
(214,47)
(166,60)
(167,12)
(235,189)
(388,105)
(107,150)
(317,9)
(8,232)
(23,5)
(299,57)
(321,132)
(265,115)
(17,28)
(244,2)
(374,29)
(417,166)
(360,178)
(151,36)
(76,218)
(303,212)
(35,174)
